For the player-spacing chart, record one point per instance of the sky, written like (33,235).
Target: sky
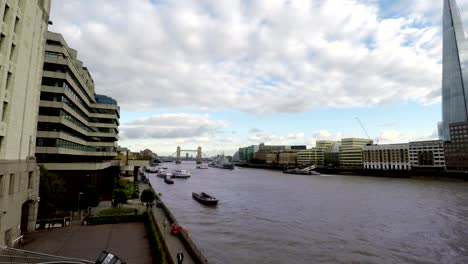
(231,73)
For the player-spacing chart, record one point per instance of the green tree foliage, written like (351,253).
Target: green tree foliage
(122,184)
(51,191)
(148,196)
(120,197)
(90,196)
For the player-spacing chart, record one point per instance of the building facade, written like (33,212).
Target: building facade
(287,158)
(427,154)
(456,151)
(454,69)
(351,152)
(386,157)
(77,128)
(22,42)
(315,156)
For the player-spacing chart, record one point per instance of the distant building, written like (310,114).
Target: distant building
(287,158)
(260,156)
(263,147)
(272,158)
(297,147)
(242,154)
(250,152)
(351,152)
(454,71)
(77,128)
(315,155)
(427,154)
(22,44)
(387,157)
(456,151)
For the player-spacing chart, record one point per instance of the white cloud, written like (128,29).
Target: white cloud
(254,56)
(183,125)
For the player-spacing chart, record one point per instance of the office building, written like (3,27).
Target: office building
(351,152)
(386,157)
(287,158)
(454,69)
(22,41)
(315,155)
(456,151)
(77,128)
(427,154)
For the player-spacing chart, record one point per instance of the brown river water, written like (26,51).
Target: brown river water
(266,216)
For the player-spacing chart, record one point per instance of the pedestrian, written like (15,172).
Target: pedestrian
(180,257)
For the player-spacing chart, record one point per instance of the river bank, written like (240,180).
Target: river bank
(431,174)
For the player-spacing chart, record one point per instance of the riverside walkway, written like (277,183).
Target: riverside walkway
(173,243)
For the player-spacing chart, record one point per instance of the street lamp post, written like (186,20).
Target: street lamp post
(79,198)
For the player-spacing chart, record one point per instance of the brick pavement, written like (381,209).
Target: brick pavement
(128,241)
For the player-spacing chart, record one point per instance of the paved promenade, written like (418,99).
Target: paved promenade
(127,241)
(174,244)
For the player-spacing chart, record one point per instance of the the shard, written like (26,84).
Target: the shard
(455,69)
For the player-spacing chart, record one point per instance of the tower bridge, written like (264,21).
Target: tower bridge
(199,158)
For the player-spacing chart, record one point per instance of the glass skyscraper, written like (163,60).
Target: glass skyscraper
(454,69)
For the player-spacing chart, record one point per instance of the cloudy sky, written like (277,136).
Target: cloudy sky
(229,73)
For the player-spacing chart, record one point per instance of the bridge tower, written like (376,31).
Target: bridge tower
(178,155)
(199,155)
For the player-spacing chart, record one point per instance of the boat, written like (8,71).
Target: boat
(168,179)
(152,169)
(205,198)
(180,174)
(202,166)
(301,171)
(221,163)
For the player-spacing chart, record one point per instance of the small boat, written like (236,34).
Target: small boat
(162,173)
(168,181)
(180,174)
(202,166)
(205,198)
(301,172)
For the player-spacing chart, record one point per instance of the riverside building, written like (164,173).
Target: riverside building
(456,151)
(454,70)
(22,41)
(77,128)
(427,154)
(351,152)
(386,157)
(315,155)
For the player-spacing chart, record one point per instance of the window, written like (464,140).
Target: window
(8,82)
(5,108)
(13,52)
(30,178)
(1,185)
(6,13)
(11,188)
(17,26)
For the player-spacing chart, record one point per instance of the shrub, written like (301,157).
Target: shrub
(154,238)
(114,219)
(148,196)
(120,197)
(135,195)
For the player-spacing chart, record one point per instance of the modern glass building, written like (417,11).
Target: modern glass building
(455,72)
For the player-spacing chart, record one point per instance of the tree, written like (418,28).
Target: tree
(90,196)
(52,192)
(119,197)
(148,196)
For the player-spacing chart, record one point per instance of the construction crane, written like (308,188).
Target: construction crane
(362,126)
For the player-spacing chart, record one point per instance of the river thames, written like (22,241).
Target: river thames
(266,216)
